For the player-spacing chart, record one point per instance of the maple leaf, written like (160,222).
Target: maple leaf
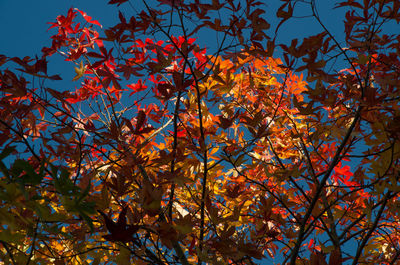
(118,2)
(88,18)
(119,231)
(79,71)
(139,86)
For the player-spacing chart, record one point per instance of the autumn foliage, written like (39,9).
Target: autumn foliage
(165,151)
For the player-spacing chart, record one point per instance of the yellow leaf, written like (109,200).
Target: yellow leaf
(363,59)
(79,71)
(124,256)
(327,249)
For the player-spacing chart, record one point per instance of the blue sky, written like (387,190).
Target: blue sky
(23,24)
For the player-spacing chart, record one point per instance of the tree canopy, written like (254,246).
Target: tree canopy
(246,150)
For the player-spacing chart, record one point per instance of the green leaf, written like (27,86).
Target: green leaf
(363,59)
(5,170)
(6,152)
(124,256)
(30,176)
(63,183)
(43,211)
(88,220)
(84,193)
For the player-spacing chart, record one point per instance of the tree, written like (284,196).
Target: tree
(173,153)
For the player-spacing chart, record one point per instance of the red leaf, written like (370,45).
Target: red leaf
(311,244)
(139,86)
(88,18)
(95,55)
(55,77)
(349,3)
(118,2)
(3,59)
(119,231)
(140,119)
(192,245)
